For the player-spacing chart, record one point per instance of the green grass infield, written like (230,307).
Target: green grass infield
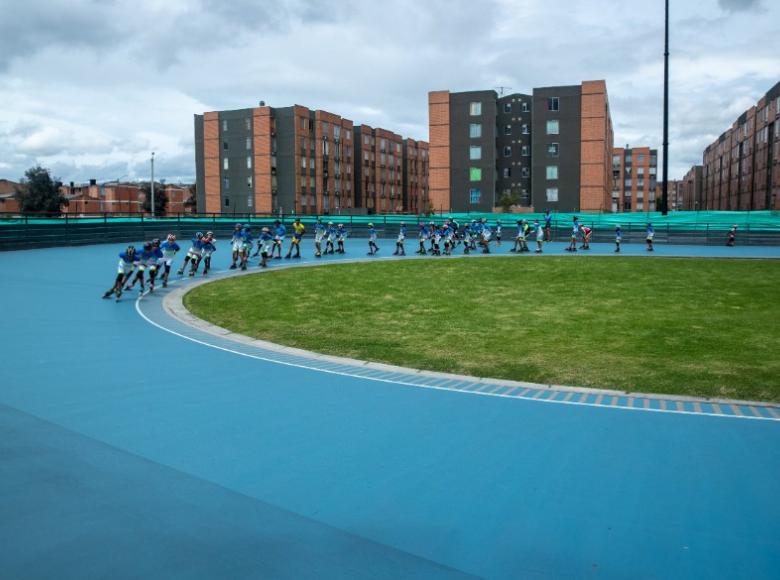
(699,327)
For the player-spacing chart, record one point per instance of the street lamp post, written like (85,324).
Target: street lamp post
(152,184)
(665,188)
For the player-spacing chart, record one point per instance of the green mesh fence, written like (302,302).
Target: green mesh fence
(675,221)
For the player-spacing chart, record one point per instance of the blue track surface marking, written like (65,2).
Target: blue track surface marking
(126,451)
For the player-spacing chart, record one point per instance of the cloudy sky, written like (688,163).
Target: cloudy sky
(89,88)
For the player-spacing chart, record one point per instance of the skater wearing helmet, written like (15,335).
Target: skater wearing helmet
(235,243)
(127,262)
(399,242)
(169,249)
(372,247)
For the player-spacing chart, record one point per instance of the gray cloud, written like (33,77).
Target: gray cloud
(739,5)
(91,88)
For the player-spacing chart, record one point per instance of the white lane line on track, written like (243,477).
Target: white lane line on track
(506,395)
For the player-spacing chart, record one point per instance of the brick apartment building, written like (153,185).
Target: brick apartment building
(742,168)
(674,194)
(691,190)
(297,160)
(550,149)
(378,170)
(634,179)
(415,176)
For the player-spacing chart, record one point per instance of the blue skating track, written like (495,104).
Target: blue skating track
(133,447)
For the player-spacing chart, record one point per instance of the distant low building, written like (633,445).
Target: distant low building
(8,201)
(122,198)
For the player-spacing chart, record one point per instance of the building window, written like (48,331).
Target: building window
(506,172)
(475,174)
(552,194)
(224,124)
(249,201)
(226,182)
(249,182)
(553,127)
(249,162)
(225,164)
(508,129)
(248,123)
(524,130)
(227,202)
(475,109)
(616,161)
(524,151)
(525,172)
(248,143)
(553,104)
(475,152)
(475,196)
(507,151)
(524,107)
(475,130)
(303,162)
(552,172)
(224,145)
(507,107)
(553,149)
(640,158)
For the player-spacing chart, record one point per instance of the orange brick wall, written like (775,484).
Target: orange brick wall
(262,125)
(439,148)
(595,148)
(212,186)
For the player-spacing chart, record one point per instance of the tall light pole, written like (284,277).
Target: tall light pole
(152,184)
(665,187)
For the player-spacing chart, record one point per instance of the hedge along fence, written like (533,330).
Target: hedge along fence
(21,232)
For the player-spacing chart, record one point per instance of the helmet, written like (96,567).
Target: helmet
(147,246)
(171,237)
(209,234)
(238,226)
(341,225)
(483,220)
(130,249)
(519,221)
(156,242)
(403,223)
(199,235)
(266,230)
(431,223)
(330,223)
(370,225)
(498,221)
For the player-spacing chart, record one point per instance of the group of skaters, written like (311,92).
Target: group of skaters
(155,259)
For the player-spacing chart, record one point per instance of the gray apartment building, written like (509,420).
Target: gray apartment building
(548,150)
